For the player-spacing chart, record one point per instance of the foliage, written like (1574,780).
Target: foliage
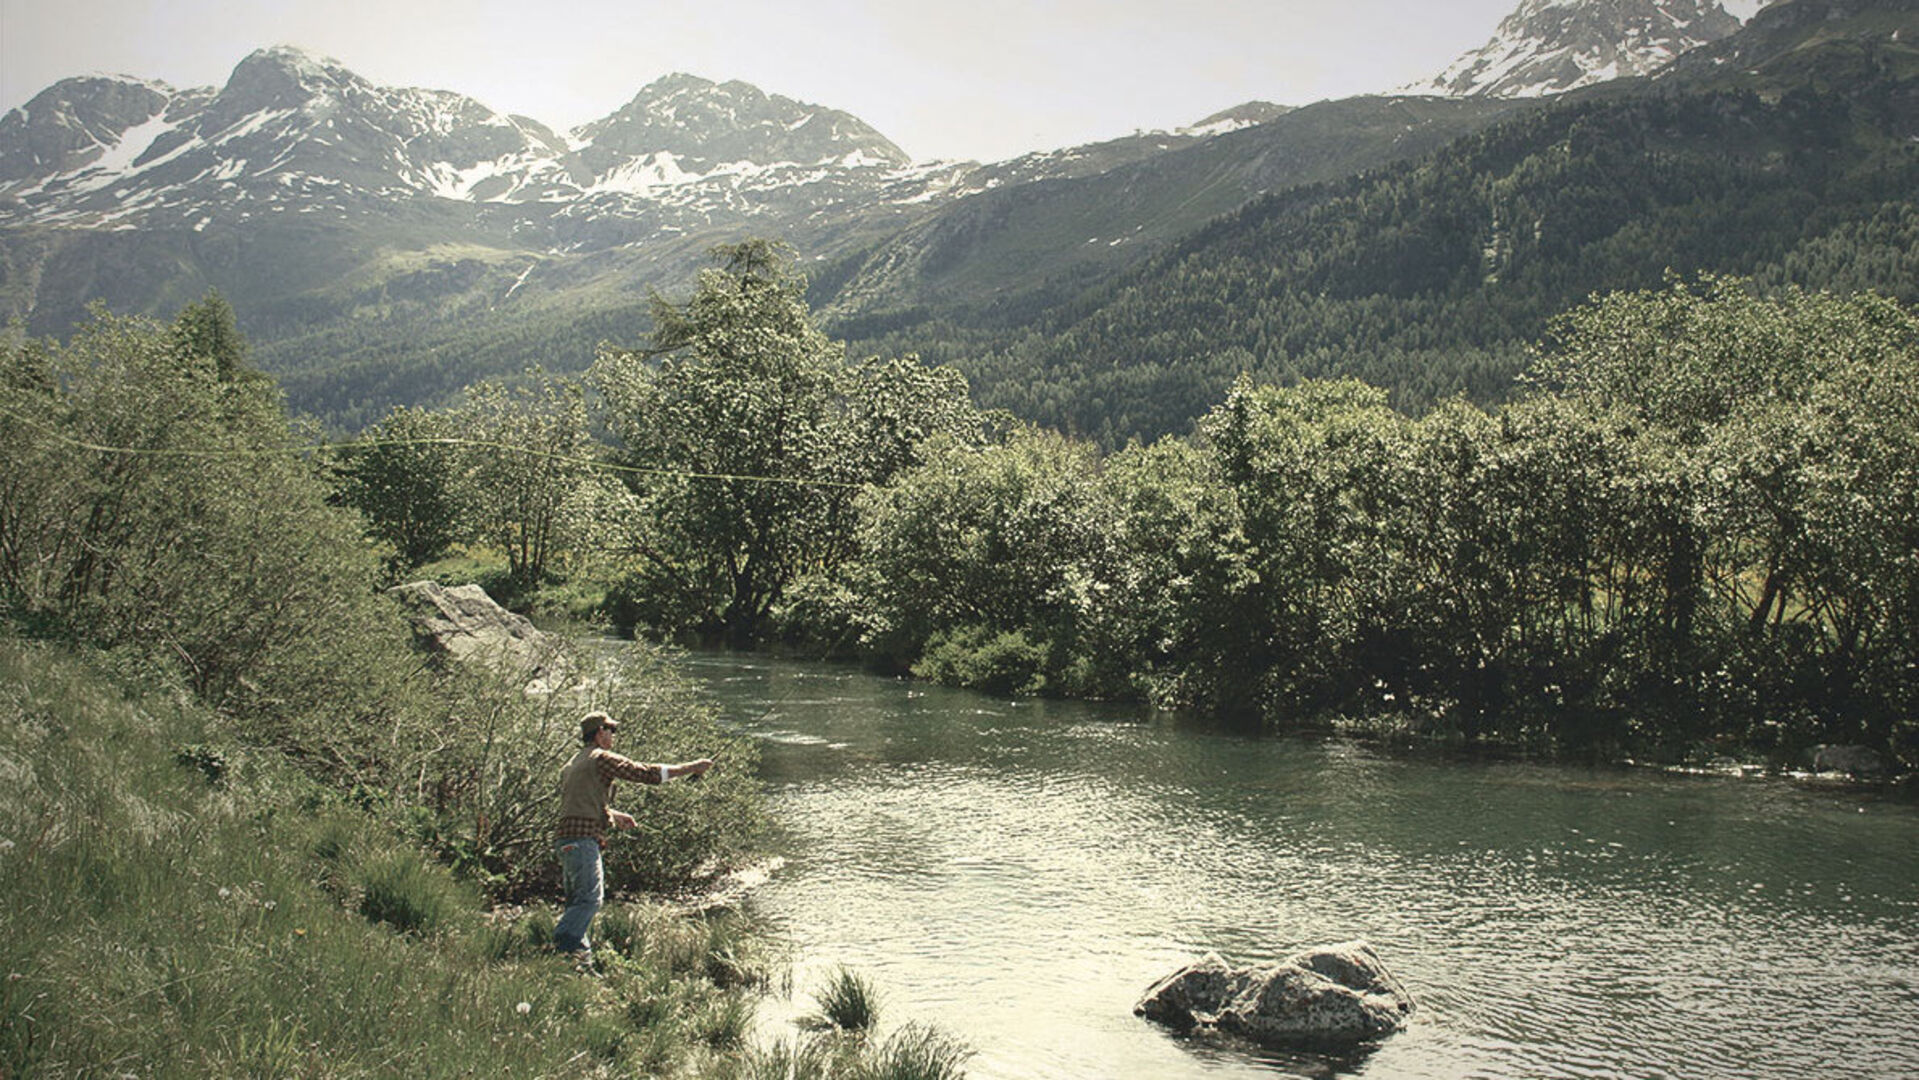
(1007,662)
(229,918)
(527,451)
(917,1052)
(154,508)
(153,502)
(481,788)
(976,542)
(848,1002)
(1694,531)
(405,475)
(749,437)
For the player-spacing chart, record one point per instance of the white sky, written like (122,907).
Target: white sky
(981,79)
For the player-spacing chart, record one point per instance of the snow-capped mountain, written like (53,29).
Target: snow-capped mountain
(1551,46)
(293,132)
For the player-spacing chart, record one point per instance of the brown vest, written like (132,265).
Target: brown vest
(582,793)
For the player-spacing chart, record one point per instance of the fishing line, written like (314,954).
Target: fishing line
(362,444)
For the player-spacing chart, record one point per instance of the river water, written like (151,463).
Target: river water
(1017,873)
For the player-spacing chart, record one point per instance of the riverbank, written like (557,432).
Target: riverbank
(177,901)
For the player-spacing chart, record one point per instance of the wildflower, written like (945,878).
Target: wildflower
(523,1008)
(5,846)
(271,904)
(299,931)
(225,892)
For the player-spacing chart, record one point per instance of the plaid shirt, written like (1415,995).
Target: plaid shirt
(582,785)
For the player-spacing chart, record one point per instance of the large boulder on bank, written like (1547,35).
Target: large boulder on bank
(1334,994)
(464,624)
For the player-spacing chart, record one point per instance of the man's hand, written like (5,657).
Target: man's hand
(621,820)
(695,768)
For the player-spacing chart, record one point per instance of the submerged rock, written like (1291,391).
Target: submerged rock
(465,624)
(1334,994)
(1859,761)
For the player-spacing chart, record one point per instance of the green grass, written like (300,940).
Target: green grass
(176,903)
(848,1002)
(157,923)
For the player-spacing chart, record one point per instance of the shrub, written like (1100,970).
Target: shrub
(980,659)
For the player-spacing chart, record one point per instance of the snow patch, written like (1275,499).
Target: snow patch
(133,142)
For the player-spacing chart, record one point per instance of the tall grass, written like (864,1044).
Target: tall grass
(848,1002)
(154,922)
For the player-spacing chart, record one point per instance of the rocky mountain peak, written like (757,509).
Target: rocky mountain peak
(1244,115)
(285,77)
(703,124)
(75,122)
(1551,46)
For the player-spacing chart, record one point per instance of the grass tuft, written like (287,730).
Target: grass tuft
(847,1002)
(401,890)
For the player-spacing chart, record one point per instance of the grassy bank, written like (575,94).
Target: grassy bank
(175,903)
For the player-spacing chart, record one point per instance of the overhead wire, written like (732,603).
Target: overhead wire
(355,444)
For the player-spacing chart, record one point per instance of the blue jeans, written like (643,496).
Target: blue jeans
(585,886)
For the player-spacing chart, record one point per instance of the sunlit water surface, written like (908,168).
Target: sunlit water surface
(1017,873)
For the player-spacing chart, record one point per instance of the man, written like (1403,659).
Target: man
(586,787)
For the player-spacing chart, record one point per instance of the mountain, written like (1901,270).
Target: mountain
(386,243)
(1552,46)
(1043,239)
(1794,161)
(1795,42)
(391,245)
(292,131)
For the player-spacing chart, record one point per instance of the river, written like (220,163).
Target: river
(1018,872)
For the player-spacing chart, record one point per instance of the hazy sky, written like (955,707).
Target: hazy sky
(982,79)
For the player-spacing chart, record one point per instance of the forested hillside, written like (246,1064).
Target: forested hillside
(1690,533)
(1434,277)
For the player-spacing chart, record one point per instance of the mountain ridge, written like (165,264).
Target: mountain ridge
(388,245)
(1552,46)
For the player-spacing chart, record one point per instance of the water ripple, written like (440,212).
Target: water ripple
(1019,874)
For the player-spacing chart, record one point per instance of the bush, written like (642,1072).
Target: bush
(227,919)
(200,539)
(485,782)
(980,659)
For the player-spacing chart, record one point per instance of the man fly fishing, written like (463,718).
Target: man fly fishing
(586,790)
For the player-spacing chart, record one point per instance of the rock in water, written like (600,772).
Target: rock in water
(1334,994)
(463,623)
(1859,761)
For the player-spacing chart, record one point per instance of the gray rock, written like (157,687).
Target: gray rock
(1852,760)
(1335,994)
(464,624)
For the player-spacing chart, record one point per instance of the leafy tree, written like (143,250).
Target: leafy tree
(405,476)
(527,451)
(207,329)
(978,543)
(151,505)
(1316,472)
(1765,416)
(1184,595)
(749,437)
(732,411)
